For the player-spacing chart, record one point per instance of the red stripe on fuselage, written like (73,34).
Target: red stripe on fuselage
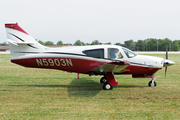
(141,70)
(15,26)
(66,64)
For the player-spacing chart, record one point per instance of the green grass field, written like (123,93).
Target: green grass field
(28,93)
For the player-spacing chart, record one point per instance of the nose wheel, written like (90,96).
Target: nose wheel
(152,83)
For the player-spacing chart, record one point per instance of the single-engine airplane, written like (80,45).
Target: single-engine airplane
(105,60)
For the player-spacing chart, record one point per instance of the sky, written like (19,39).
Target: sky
(112,21)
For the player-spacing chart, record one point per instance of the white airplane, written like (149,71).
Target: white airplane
(105,60)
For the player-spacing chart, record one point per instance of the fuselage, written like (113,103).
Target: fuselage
(86,59)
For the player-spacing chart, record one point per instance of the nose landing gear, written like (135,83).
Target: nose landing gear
(152,83)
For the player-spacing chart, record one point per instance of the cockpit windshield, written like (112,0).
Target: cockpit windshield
(129,53)
(113,53)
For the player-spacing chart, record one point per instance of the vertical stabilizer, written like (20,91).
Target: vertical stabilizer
(20,41)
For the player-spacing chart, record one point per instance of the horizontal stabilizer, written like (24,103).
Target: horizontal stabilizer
(21,43)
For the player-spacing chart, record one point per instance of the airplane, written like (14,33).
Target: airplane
(106,60)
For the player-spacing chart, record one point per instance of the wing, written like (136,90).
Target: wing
(116,67)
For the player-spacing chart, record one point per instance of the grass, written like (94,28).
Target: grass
(27,93)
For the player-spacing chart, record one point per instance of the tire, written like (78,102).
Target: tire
(151,84)
(103,80)
(107,86)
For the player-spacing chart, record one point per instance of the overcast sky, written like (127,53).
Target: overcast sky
(104,20)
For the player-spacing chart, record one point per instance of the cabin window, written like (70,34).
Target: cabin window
(96,53)
(113,53)
(129,53)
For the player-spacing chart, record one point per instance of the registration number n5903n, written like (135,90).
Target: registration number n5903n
(54,62)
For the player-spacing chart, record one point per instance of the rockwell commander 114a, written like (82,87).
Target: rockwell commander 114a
(105,60)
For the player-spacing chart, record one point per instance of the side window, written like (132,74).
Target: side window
(114,53)
(119,56)
(96,53)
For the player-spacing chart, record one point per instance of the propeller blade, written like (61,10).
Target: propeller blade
(166,58)
(165,71)
(166,52)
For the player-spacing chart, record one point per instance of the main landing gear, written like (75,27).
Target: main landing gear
(106,85)
(108,81)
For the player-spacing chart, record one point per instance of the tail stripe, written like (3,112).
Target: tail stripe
(15,27)
(32,46)
(17,37)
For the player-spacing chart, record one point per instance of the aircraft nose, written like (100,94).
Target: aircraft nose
(168,63)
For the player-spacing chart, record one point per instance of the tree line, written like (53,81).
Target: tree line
(150,44)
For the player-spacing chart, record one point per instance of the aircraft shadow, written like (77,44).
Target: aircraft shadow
(77,87)
(130,86)
(84,88)
(81,87)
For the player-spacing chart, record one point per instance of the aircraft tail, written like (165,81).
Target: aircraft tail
(20,41)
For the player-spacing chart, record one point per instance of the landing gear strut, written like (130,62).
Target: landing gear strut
(152,83)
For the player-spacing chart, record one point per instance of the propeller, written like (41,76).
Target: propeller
(166,58)
(166,61)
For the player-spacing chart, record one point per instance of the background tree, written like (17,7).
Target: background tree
(79,43)
(109,43)
(176,46)
(119,44)
(130,44)
(141,45)
(163,42)
(41,42)
(95,42)
(49,43)
(87,44)
(59,43)
(151,44)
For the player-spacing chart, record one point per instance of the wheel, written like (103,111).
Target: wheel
(103,80)
(152,84)
(107,86)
